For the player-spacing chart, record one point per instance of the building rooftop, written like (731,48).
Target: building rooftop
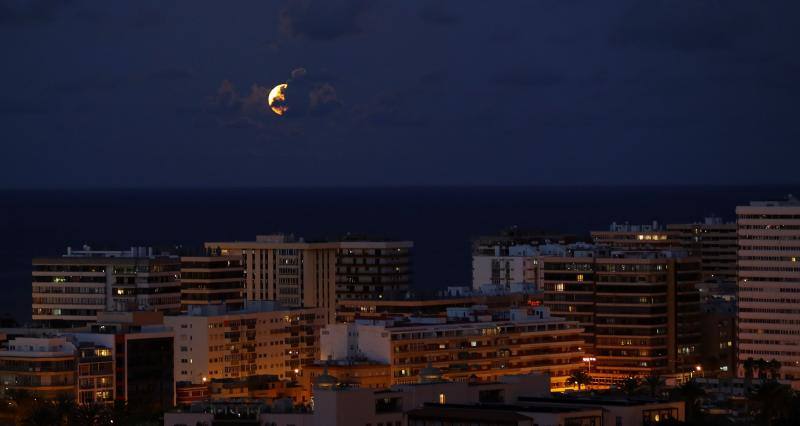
(250,307)
(599,400)
(790,201)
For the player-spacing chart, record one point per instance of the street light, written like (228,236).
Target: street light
(589,359)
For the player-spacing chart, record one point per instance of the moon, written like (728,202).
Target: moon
(277,99)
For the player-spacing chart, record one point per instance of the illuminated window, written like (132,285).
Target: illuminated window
(442,398)
(579,278)
(473,343)
(560,287)
(641,237)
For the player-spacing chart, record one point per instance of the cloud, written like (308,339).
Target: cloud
(305,94)
(23,12)
(435,12)
(322,20)
(695,25)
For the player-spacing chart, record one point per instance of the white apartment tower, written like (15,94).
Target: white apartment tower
(768,284)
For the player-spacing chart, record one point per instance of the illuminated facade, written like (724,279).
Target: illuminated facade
(71,290)
(636,237)
(313,274)
(769,284)
(262,339)
(640,310)
(468,343)
(43,367)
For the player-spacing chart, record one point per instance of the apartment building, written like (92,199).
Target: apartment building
(769,284)
(640,309)
(210,280)
(369,270)
(298,273)
(95,374)
(42,366)
(628,236)
(714,242)
(469,342)
(71,290)
(139,349)
(264,338)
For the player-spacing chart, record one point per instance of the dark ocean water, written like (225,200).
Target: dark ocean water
(440,221)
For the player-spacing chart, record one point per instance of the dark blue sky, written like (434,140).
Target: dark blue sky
(535,92)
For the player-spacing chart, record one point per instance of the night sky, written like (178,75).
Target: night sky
(535,92)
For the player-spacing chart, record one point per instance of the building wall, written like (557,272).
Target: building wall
(241,343)
(485,350)
(296,274)
(45,367)
(715,243)
(372,270)
(71,290)
(207,280)
(769,285)
(497,270)
(640,312)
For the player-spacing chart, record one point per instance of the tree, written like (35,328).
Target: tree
(776,403)
(774,367)
(691,394)
(654,382)
(631,385)
(749,366)
(90,415)
(580,378)
(762,365)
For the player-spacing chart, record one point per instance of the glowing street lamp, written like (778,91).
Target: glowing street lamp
(589,359)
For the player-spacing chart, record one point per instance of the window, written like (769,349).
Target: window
(442,398)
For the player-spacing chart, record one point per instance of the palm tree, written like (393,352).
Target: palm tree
(762,368)
(776,402)
(580,378)
(774,367)
(749,365)
(91,415)
(630,385)
(654,382)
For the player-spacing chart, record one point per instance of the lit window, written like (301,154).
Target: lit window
(560,287)
(579,278)
(442,398)
(473,343)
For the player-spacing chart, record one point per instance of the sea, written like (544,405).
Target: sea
(440,220)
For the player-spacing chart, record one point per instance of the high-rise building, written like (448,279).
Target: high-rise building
(769,284)
(264,338)
(372,269)
(714,242)
(297,273)
(71,290)
(209,280)
(640,309)
(469,342)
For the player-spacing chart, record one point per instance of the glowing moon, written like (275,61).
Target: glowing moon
(277,99)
